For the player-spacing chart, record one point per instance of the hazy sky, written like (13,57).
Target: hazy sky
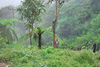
(4,3)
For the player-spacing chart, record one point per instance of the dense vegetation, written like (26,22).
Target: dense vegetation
(78,23)
(77,29)
(20,56)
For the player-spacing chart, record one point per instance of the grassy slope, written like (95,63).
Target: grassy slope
(50,57)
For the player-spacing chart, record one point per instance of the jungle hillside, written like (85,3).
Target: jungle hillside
(50,33)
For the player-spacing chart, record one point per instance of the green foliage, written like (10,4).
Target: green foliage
(60,2)
(85,57)
(8,22)
(44,54)
(6,31)
(30,47)
(40,30)
(15,56)
(2,41)
(48,57)
(50,50)
(31,11)
(24,59)
(73,20)
(56,36)
(78,23)
(86,40)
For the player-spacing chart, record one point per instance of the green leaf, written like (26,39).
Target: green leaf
(8,22)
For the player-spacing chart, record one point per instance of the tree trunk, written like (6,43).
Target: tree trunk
(39,41)
(31,30)
(30,38)
(54,23)
(54,44)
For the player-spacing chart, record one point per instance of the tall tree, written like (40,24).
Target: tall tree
(30,10)
(58,5)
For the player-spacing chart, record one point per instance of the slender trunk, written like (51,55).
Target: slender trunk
(31,30)
(54,23)
(54,35)
(39,41)
(30,38)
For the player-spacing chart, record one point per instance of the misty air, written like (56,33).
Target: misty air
(49,33)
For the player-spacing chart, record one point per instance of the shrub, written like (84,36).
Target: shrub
(85,57)
(43,53)
(24,59)
(50,50)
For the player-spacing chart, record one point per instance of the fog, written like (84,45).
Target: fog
(50,33)
(76,22)
(4,3)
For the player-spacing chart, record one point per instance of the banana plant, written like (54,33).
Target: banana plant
(6,30)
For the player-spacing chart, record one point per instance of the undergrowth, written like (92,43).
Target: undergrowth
(48,57)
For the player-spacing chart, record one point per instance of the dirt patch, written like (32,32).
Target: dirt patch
(3,65)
